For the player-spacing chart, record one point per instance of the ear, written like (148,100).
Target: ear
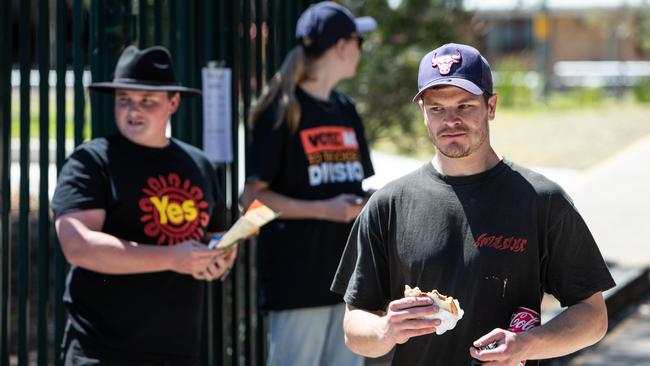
(492,106)
(175,102)
(339,47)
(424,113)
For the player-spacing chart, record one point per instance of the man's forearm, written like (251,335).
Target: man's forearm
(363,333)
(291,208)
(85,245)
(104,253)
(112,255)
(579,326)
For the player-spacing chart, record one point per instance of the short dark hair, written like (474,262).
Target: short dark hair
(170,94)
(487,96)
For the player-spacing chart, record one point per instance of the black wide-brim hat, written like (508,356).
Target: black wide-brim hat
(148,69)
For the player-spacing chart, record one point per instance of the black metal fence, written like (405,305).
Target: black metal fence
(71,37)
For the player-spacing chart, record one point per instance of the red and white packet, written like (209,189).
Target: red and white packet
(522,320)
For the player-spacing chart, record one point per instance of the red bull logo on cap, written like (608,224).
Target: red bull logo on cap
(443,63)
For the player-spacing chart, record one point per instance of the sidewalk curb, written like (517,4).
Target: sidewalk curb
(632,284)
(592,173)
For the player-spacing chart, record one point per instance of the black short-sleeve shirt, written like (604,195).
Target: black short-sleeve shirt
(326,156)
(153,196)
(496,241)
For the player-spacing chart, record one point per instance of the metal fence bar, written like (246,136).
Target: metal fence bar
(221,33)
(179,54)
(157,20)
(171,45)
(257,332)
(97,41)
(59,261)
(245,46)
(209,345)
(5,169)
(259,52)
(209,12)
(271,54)
(235,63)
(219,307)
(287,25)
(78,64)
(192,75)
(257,337)
(111,30)
(23,208)
(246,252)
(44,165)
(143,24)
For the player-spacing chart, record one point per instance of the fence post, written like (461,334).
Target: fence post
(59,262)
(5,194)
(24,47)
(78,48)
(110,31)
(235,65)
(44,165)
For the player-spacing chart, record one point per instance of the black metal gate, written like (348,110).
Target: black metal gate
(47,48)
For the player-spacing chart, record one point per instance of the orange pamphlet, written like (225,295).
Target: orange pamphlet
(256,216)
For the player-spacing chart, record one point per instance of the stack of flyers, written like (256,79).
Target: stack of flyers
(255,217)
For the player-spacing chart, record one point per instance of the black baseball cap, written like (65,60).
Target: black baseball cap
(457,65)
(148,69)
(323,24)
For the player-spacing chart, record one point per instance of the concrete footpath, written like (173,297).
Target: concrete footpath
(627,344)
(614,199)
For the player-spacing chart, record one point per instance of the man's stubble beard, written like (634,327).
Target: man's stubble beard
(457,151)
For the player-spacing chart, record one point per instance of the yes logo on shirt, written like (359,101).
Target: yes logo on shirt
(333,155)
(173,210)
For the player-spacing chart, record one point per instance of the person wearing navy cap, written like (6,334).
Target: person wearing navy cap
(472,225)
(131,210)
(307,158)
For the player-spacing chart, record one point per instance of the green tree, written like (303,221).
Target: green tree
(386,79)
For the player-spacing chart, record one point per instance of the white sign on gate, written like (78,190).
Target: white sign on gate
(217,114)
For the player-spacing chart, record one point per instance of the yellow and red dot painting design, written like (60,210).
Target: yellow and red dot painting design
(173,210)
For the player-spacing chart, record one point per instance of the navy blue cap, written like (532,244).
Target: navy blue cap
(323,24)
(457,65)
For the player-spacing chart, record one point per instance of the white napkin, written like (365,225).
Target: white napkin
(447,319)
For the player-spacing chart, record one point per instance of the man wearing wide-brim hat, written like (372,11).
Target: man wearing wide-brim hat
(131,210)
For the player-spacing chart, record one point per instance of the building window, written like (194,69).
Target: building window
(511,35)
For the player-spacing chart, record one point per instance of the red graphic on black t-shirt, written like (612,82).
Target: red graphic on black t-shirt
(174,211)
(501,242)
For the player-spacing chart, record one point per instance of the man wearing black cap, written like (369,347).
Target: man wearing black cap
(131,209)
(472,225)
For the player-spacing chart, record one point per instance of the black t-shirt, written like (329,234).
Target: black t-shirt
(326,156)
(495,240)
(154,196)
